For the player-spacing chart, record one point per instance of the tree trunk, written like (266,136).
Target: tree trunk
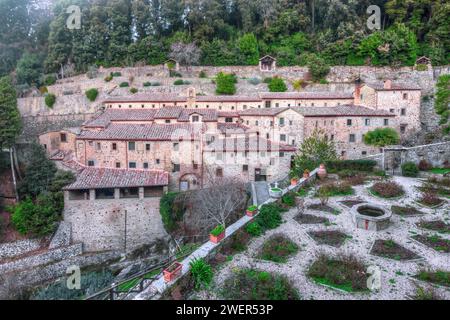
(13,173)
(16,164)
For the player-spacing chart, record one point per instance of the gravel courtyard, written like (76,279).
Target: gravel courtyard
(396,276)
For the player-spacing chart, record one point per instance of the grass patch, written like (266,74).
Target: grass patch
(406,211)
(435,225)
(346,273)
(278,249)
(438,277)
(310,219)
(332,237)
(392,250)
(250,284)
(439,170)
(324,208)
(435,242)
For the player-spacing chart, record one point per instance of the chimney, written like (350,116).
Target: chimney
(357,94)
(387,84)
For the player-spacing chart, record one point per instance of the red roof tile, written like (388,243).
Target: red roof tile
(306,95)
(262,111)
(230,127)
(121,115)
(340,111)
(97,178)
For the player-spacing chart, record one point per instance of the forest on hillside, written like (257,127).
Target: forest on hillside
(35,41)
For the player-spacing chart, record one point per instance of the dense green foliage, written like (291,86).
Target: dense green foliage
(277,84)
(50,100)
(269,217)
(356,165)
(313,151)
(202,273)
(225,83)
(171,210)
(10,121)
(410,169)
(91,94)
(236,32)
(318,67)
(442,101)
(381,137)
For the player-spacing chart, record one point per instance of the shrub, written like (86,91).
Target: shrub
(421,67)
(277,85)
(387,189)
(288,199)
(356,165)
(50,100)
(133,90)
(267,80)
(174,74)
(123,84)
(424,165)
(178,82)
(49,80)
(202,273)
(116,74)
(108,78)
(298,84)
(381,137)
(39,217)
(43,90)
(269,216)
(147,84)
(171,209)
(409,169)
(429,199)
(225,83)
(202,74)
(254,229)
(335,189)
(91,94)
(317,67)
(278,249)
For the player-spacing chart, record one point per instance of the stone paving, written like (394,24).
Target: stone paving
(396,276)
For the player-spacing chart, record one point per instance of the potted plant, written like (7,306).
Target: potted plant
(294,178)
(172,272)
(306,174)
(217,234)
(251,211)
(275,192)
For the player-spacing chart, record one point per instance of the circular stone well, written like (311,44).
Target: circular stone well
(371,217)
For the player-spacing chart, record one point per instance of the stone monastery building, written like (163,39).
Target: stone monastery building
(141,145)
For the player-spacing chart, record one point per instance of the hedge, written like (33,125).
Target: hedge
(92,94)
(50,100)
(171,211)
(356,165)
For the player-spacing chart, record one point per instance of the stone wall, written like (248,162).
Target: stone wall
(100,224)
(16,248)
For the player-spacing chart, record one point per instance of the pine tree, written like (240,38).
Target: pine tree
(10,121)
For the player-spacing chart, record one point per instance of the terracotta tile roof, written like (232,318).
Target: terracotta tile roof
(147,97)
(252,143)
(337,111)
(223,98)
(262,111)
(168,113)
(207,114)
(306,95)
(394,86)
(230,127)
(144,132)
(228,114)
(97,178)
(109,115)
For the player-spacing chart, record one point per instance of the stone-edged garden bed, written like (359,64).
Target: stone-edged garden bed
(387,190)
(324,208)
(351,202)
(310,219)
(407,211)
(345,274)
(277,249)
(392,250)
(435,242)
(250,284)
(434,225)
(333,238)
(438,277)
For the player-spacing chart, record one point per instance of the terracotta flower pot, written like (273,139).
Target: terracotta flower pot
(294,182)
(322,172)
(251,213)
(172,272)
(218,238)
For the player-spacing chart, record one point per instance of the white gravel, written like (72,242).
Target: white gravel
(396,282)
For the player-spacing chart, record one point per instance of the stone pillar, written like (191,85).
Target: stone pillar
(92,194)
(141,192)
(116,193)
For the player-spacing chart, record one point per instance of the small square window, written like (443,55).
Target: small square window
(349,122)
(367,122)
(91,163)
(114,146)
(63,137)
(117,164)
(386,122)
(281,154)
(131,145)
(403,112)
(176,146)
(157,161)
(145,165)
(167,121)
(219,172)
(147,146)
(351,138)
(176,167)
(195,118)
(283,137)
(245,168)
(132,165)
